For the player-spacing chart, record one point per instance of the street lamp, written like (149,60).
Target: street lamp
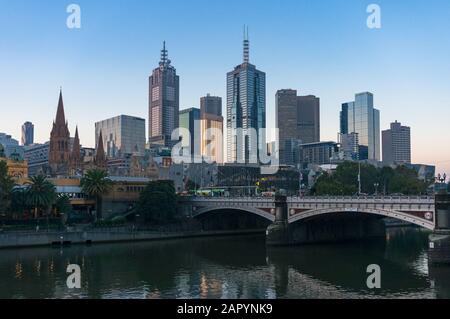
(376,188)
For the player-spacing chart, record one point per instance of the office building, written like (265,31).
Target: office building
(246,111)
(164,102)
(37,157)
(190,121)
(297,118)
(397,144)
(362,118)
(211,127)
(317,153)
(27,133)
(10,146)
(122,135)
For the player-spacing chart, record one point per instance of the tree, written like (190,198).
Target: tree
(41,194)
(158,202)
(62,205)
(6,187)
(96,184)
(19,202)
(344,181)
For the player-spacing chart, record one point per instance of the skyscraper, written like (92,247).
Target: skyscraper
(246,110)
(164,102)
(211,122)
(397,144)
(190,120)
(27,133)
(297,118)
(364,119)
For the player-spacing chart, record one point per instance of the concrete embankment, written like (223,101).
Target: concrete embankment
(35,239)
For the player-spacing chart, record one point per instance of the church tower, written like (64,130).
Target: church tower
(75,157)
(100,157)
(59,154)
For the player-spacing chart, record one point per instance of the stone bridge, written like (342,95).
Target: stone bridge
(412,209)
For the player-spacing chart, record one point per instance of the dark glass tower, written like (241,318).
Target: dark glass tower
(164,102)
(246,109)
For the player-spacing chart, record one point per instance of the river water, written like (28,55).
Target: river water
(227,267)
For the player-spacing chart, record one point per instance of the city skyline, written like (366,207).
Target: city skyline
(415,80)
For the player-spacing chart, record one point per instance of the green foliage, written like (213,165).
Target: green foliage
(19,202)
(95,184)
(41,194)
(6,187)
(63,205)
(158,202)
(344,181)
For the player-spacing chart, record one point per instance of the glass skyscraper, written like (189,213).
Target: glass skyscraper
(121,135)
(190,120)
(246,110)
(27,133)
(363,119)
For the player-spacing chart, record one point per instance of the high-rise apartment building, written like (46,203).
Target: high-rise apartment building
(362,118)
(297,118)
(397,144)
(27,134)
(246,111)
(211,127)
(164,102)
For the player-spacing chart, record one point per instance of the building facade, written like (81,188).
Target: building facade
(164,102)
(189,120)
(121,135)
(37,157)
(10,145)
(211,121)
(363,119)
(297,118)
(246,111)
(397,144)
(27,133)
(317,153)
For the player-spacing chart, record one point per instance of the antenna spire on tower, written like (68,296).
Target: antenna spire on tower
(164,54)
(246,45)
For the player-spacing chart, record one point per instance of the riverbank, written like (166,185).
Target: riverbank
(39,239)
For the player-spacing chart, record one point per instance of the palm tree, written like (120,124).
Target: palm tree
(41,194)
(95,184)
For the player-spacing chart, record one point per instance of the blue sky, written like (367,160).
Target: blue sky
(320,47)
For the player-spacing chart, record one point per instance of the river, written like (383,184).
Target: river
(227,267)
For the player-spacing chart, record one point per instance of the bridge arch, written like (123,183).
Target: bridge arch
(428,224)
(250,210)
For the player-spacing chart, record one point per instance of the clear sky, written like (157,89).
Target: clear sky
(320,47)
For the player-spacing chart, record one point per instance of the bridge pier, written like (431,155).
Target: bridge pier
(278,233)
(439,240)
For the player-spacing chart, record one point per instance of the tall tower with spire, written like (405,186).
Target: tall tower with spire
(246,110)
(59,153)
(164,101)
